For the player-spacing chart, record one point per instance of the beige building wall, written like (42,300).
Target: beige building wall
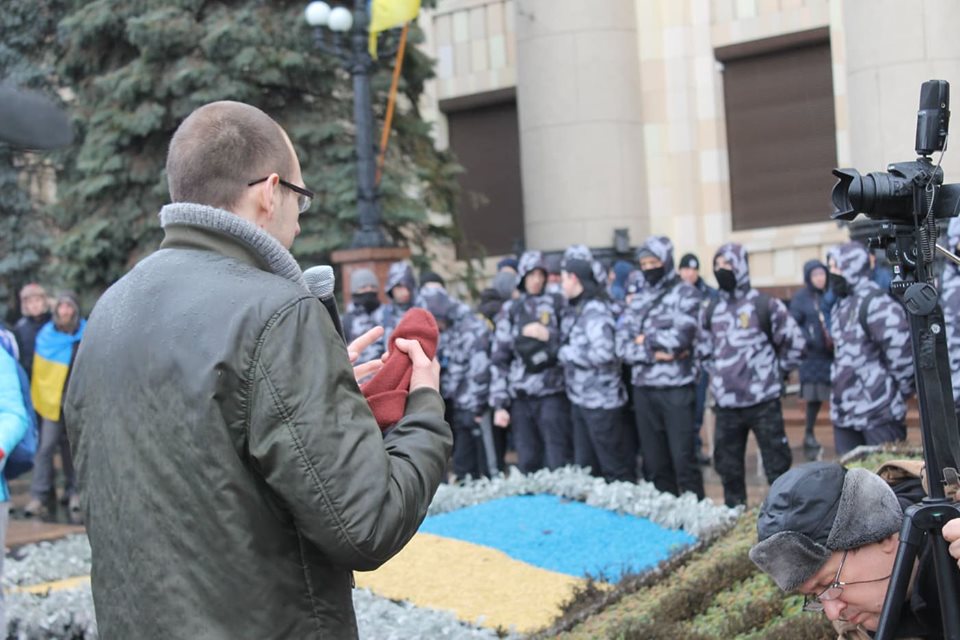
(883,75)
(684,128)
(581,122)
(608,141)
(474,44)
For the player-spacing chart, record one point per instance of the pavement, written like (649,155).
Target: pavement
(794,419)
(56,524)
(59,523)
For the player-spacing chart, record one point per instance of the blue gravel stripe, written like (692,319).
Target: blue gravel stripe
(560,535)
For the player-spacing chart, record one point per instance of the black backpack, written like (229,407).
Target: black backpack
(537,355)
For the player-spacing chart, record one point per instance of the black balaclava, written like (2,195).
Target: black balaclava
(368,300)
(655,275)
(726,279)
(839,285)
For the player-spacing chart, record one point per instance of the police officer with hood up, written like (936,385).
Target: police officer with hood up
(747,341)
(655,335)
(592,370)
(872,369)
(526,388)
(401,289)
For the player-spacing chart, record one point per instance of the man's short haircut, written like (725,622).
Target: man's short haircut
(219,149)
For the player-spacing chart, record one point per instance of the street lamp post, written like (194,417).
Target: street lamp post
(356,59)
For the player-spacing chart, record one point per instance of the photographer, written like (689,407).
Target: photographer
(832,535)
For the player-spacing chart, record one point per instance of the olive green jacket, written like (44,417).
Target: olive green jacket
(231,472)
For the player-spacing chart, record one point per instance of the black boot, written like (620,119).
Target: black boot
(811,448)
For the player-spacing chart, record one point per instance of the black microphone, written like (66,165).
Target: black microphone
(320,281)
(30,120)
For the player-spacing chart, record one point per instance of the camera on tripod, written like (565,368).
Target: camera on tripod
(908,199)
(906,202)
(890,195)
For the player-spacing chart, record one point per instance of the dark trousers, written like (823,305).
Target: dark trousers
(53,437)
(541,432)
(733,427)
(665,426)
(846,440)
(501,435)
(598,437)
(703,381)
(469,457)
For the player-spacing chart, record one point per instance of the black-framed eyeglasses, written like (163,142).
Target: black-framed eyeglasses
(304,195)
(834,591)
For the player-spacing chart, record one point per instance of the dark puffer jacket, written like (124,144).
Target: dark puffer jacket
(231,472)
(805,309)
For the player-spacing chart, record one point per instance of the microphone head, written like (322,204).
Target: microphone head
(320,280)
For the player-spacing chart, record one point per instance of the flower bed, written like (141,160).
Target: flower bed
(576,526)
(509,552)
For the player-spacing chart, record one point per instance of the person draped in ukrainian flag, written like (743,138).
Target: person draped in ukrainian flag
(56,347)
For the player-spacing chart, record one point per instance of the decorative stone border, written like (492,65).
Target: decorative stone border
(700,518)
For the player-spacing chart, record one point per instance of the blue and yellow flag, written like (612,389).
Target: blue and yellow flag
(388,14)
(522,557)
(51,364)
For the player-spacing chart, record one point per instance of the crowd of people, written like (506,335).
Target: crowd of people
(44,341)
(218,427)
(568,361)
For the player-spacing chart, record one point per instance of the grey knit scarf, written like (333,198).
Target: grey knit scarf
(280,261)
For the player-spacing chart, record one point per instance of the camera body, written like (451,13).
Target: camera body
(894,195)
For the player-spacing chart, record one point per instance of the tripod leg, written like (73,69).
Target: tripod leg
(910,539)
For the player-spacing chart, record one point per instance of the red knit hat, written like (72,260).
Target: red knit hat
(386,392)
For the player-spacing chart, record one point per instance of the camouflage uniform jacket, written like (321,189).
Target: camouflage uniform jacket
(509,376)
(356,322)
(872,374)
(950,301)
(464,354)
(666,314)
(591,369)
(388,315)
(745,368)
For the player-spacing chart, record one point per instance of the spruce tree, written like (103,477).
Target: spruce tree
(26,57)
(139,67)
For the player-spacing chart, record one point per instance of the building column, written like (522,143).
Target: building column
(581,130)
(891,48)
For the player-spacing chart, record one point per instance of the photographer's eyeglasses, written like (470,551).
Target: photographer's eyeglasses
(834,591)
(304,195)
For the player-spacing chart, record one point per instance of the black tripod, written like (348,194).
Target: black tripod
(922,523)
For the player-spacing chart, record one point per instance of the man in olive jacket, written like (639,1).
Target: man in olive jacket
(232,473)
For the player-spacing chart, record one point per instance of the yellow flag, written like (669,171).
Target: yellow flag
(387,14)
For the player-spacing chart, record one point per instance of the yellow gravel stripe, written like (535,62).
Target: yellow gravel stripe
(479,584)
(47,587)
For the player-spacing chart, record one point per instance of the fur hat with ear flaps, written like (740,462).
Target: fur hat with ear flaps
(816,509)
